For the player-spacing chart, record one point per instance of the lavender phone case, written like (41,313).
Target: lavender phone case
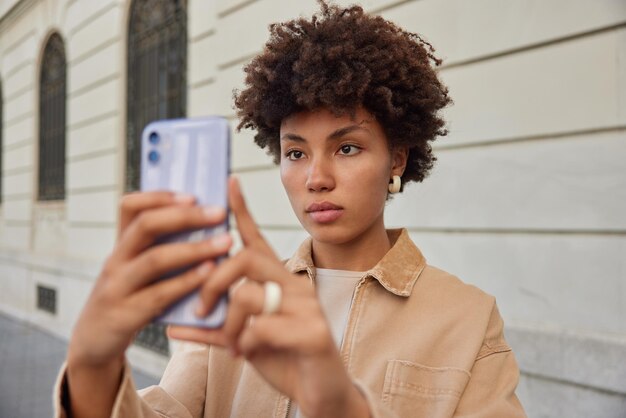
(189,156)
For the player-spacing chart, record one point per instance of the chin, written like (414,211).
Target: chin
(331,234)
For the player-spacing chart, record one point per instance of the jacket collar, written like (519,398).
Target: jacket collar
(397,271)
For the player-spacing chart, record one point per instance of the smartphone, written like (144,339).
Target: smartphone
(189,156)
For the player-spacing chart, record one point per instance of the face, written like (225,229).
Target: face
(336,171)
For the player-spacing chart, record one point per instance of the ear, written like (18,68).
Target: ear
(399,157)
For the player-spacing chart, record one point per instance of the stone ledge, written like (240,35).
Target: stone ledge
(54,264)
(543,398)
(585,359)
(147,361)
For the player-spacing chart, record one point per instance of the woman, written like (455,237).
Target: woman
(356,323)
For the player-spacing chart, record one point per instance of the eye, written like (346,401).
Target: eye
(349,149)
(294,155)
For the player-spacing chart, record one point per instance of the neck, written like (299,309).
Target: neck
(360,254)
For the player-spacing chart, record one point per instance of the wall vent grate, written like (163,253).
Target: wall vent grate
(47,299)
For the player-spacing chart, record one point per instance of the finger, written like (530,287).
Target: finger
(132,204)
(166,258)
(250,234)
(271,332)
(247,263)
(149,225)
(153,300)
(279,332)
(245,301)
(198,335)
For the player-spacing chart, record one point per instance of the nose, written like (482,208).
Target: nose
(320,176)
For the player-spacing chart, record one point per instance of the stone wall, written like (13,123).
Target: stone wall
(527,200)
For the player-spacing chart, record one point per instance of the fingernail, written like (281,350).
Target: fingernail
(213,212)
(205,268)
(221,241)
(184,198)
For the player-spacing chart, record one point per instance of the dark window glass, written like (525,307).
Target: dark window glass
(157,67)
(52,95)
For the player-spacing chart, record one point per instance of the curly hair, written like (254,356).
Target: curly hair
(341,59)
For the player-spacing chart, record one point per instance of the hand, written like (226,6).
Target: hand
(125,296)
(292,349)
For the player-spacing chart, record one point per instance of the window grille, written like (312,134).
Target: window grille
(157,83)
(153,337)
(157,67)
(52,101)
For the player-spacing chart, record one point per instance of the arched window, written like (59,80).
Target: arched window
(52,100)
(157,87)
(157,67)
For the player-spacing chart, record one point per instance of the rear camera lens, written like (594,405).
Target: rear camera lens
(154,138)
(153,157)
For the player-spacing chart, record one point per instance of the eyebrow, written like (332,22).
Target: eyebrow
(339,133)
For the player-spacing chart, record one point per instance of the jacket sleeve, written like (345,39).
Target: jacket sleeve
(180,393)
(490,392)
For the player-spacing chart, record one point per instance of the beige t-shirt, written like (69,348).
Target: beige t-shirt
(334,290)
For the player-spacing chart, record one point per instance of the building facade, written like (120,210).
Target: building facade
(527,199)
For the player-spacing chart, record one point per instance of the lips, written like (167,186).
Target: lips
(322,206)
(324,212)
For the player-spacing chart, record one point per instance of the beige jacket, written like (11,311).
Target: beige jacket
(418,343)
